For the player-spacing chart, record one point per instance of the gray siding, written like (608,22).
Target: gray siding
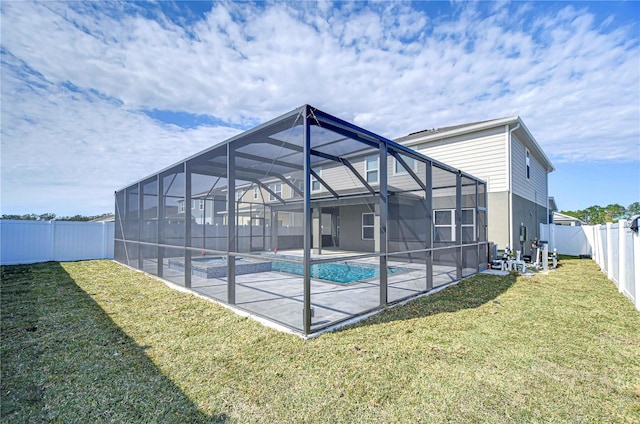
(533,189)
(350,235)
(531,215)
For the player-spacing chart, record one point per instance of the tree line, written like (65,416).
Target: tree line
(592,215)
(596,214)
(51,216)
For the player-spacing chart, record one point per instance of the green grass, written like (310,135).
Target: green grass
(96,342)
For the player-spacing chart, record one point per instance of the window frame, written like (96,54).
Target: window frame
(527,162)
(313,180)
(472,225)
(402,171)
(201,204)
(367,226)
(452,225)
(256,192)
(367,170)
(274,187)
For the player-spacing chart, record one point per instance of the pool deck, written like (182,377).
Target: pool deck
(278,297)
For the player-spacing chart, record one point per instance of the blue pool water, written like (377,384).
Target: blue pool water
(337,272)
(342,272)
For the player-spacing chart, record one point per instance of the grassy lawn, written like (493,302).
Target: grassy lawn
(94,341)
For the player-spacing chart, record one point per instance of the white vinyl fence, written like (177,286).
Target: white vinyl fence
(614,247)
(27,242)
(572,241)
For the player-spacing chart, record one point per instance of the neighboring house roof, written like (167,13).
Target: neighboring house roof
(107,218)
(560,217)
(521,130)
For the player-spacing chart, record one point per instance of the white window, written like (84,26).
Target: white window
(201,204)
(277,189)
(239,194)
(468,225)
(315,184)
(444,223)
(368,226)
(528,164)
(256,192)
(181,206)
(398,169)
(193,204)
(371,169)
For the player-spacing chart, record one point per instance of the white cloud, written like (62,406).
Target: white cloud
(73,149)
(387,67)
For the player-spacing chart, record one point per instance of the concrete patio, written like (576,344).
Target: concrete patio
(278,296)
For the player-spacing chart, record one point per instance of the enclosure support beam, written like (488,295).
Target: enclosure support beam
(408,169)
(348,165)
(261,159)
(306,318)
(324,184)
(187,225)
(459,224)
(383,213)
(346,129)
(231,224)
(245,172)
(140,223)
(274,230)
(268,190)
(160,223)
(317,230)
(428,182)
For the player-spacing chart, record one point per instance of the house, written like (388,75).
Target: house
(105,218)
(562,219)
(504,153)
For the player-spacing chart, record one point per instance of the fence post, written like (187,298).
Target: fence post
(609,248)
(103,249)
(52,240)
(622,256)
(594,243)
(597,244)
(603,245)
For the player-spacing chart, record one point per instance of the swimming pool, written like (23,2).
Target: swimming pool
(340,272)
(214,260)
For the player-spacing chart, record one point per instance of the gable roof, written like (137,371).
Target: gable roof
(515,124)
(449,128)
(560,217)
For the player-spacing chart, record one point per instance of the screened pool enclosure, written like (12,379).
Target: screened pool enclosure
(306,221)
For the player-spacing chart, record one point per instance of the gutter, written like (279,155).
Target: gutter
(510,170)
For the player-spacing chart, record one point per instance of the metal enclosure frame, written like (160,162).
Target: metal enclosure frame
(240,223)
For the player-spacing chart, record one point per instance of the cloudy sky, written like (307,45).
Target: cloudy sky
(98,95)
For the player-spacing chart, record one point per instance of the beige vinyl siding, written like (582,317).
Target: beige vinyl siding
(533,189)
(403,180)
(339,177)
(481,154)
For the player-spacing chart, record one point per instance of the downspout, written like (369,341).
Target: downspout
(510,170)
